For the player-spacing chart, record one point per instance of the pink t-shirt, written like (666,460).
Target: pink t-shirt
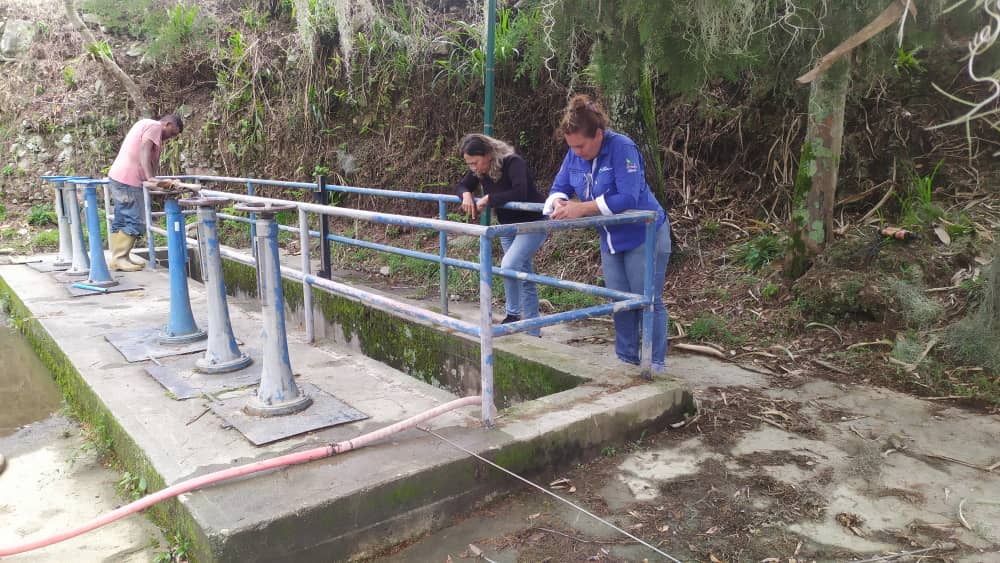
(126,169)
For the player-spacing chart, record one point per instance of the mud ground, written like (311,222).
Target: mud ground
(789,468)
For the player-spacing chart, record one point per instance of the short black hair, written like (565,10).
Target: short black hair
(176,120)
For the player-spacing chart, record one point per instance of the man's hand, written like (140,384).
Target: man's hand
(468,205)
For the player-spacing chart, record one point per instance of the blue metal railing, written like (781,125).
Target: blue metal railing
(484,329)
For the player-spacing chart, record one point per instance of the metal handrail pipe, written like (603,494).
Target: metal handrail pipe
(371,216)
(233,180)
(566,224)
(372,299)
(417,196)
(566,316)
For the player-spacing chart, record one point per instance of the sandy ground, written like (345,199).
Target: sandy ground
(54,481)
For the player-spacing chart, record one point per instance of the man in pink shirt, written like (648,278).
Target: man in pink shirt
(138,160)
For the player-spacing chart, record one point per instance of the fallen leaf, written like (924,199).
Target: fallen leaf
(942,234)
(711,530)
(533,516)
(475,550)
(571,490)
(665,528)
(714,558)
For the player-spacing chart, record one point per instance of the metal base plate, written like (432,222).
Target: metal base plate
(124,284)
(183,382)
(139,345)
(63,276)
(41,264)
(325,411)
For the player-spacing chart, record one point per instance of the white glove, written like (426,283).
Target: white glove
(550,202)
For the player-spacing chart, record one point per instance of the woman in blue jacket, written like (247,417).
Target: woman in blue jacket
(605,171)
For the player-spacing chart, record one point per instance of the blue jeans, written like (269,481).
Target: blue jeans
(130,214)
(522,296)
(625,271)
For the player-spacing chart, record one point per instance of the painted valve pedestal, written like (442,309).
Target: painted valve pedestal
(65,256)
(99,274)
(222,354)
(181,327)
(80,263)
(277,393)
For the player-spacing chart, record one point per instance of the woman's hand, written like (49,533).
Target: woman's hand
(565,209)
(469,205)
(482,203)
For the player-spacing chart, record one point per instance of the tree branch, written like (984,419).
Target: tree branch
(884,20)
(109,64)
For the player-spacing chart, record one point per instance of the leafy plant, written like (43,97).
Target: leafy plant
(48,239)
(916,207)
(3,211)
(132,486)
(770,291)
(906,61)
(69,77)
(8,169)
(183,29)
(180,551)
(41,215)
(99,49)
(123,17)
(760,251)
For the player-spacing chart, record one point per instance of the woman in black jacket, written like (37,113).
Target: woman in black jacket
(504,177)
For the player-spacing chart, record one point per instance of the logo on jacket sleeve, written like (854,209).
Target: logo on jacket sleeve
(631,165)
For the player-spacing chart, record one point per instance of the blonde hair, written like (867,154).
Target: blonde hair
(477,144)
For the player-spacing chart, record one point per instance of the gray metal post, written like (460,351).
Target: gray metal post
(108,211)
(322,197)
(486,329)
(222,353)
(81,262)
(65,256)
(307,298)
(150,243)
(277,393)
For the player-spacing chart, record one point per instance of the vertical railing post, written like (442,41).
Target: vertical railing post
(443,252)
(646,354)
(150,240)
(253,224)
(307,298)
(322,197)
(486,328)
(108,210)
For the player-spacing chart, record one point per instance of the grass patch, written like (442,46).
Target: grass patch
(41,215)
(46,240)
(566,299)
(760,251)
(712,328)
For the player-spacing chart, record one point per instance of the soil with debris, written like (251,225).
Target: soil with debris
(765,471)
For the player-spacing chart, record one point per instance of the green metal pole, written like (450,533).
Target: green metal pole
(491,16)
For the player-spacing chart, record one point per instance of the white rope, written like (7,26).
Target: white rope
(902,22)
(550,493)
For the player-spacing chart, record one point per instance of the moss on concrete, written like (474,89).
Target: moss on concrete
(431,355)
(87,407)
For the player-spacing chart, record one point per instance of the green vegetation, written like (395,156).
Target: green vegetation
(132,486)
(69,77)
(566,299)
(708,327)
(770,291)
(915,206)
(41,215)
(46,240)
(760,251)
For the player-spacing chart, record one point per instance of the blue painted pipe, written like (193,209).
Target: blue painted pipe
(569,316)
(100,276)
(80,265)
(90,287)
(181,327)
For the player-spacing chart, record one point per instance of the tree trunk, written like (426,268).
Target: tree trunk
(109,64)
(819,163)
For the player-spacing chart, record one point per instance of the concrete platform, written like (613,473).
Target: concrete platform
(336,508)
